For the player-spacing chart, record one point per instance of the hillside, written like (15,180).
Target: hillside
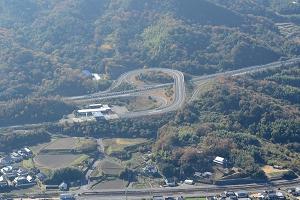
(252,122)
(46,44)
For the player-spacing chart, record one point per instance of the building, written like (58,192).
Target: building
(41,177)
(189,182)
(22,181)
(16,157)
(67,197)
(25,153)
(150,170)
(9,172)
(3,183)
(96,77)
(6,160)
(63,186)
(22,172)
(242,194)
(95,111)
(158,198)
(170,182)
(220,161)
(273,195)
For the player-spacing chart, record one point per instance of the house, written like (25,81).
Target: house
(96,77)
(63,186)
(86,73)
(158,198)
(170,182)
(22,172)
(3,183)
(6,160)
(9,172)
(25,153)
(67,197)
(30,179)
(198,175)
(273,195)
(231,195)
(278,167)
(189,182)
(16,157)
(220,161)
(22,181)
(242,194)
(41,177)
(280,196)
(51,187)
(150,170)
(207,174)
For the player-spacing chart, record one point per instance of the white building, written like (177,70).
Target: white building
(189,182)
(220,161)
(94,111)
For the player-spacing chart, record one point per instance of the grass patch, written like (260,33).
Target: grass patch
(111,167)
(195,198)
(271,172)
(71,144)
(141,103)
(119,144)
(80,160)
(28,164)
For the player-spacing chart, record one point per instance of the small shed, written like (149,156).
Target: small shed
(63,186)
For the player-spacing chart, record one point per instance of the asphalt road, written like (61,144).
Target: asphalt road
(179,100)
(187,190)
(179,82)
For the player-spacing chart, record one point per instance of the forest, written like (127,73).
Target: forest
(251,121)
(45,45)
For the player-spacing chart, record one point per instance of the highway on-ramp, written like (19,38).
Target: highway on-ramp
(179,89)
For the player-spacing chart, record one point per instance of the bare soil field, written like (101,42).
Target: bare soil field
(112,184)
(142,103)
(111,167)
(272,172)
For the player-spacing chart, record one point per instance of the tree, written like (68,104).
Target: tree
(128,175)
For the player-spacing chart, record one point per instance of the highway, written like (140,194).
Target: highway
(179,85)
(178,102)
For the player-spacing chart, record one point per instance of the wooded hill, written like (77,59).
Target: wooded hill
(251,121)
(46,44)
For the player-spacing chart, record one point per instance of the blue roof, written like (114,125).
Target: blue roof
(86,73)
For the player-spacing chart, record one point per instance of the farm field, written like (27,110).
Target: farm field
(112,184)
(50,161)
(71,144)
(272,172)
(111,167)
(119,144)
(194,198)
(62,152)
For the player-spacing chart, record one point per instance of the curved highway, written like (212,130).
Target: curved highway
(179,87)
(178,102)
